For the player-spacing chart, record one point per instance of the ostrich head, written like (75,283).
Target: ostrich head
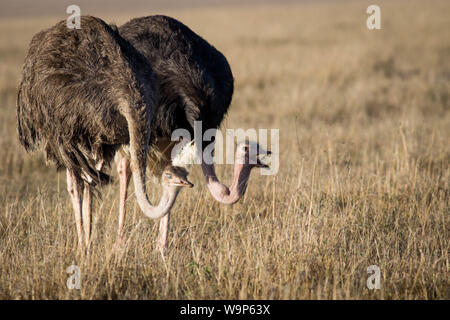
(175,177)
(248,156)
(251,154)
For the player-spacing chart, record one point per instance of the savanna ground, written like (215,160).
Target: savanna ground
(364,119)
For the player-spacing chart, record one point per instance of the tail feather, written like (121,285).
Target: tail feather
(83,168)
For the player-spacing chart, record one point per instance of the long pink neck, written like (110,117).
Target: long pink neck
(221,192)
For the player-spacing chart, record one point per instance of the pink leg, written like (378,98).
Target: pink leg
(161,244)
(123,168)
(87,213)
(74,188)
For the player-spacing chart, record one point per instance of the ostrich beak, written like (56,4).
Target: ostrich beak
(189,184)
(186,183)
(260,164)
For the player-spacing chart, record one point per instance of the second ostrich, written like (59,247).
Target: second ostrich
(84,94)
(196,84)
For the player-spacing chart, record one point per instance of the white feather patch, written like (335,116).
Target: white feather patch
(187,156)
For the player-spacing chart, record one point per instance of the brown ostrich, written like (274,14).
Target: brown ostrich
(84,94)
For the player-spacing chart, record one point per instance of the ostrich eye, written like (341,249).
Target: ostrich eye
(168,175)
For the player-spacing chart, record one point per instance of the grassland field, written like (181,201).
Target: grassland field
(364,119)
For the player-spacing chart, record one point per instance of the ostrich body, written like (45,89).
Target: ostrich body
(84,94)
(195,84)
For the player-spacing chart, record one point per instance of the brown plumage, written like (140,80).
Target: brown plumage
(195,80)
(77,87)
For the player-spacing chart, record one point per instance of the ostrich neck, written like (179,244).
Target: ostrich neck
(166,201)
(168,197)
(221,192)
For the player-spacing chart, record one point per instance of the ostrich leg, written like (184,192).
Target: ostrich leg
(87,213)
(74,188)
(123,168)
(161,244)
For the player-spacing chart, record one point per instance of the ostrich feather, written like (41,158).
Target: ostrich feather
(187,156)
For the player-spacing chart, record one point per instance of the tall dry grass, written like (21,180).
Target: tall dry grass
(364,169)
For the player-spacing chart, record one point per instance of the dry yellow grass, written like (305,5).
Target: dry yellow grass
(364,169)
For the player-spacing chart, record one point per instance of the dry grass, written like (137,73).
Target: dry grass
(364,169)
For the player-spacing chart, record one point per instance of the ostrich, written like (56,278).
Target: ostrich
(84,94)
(196,84)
